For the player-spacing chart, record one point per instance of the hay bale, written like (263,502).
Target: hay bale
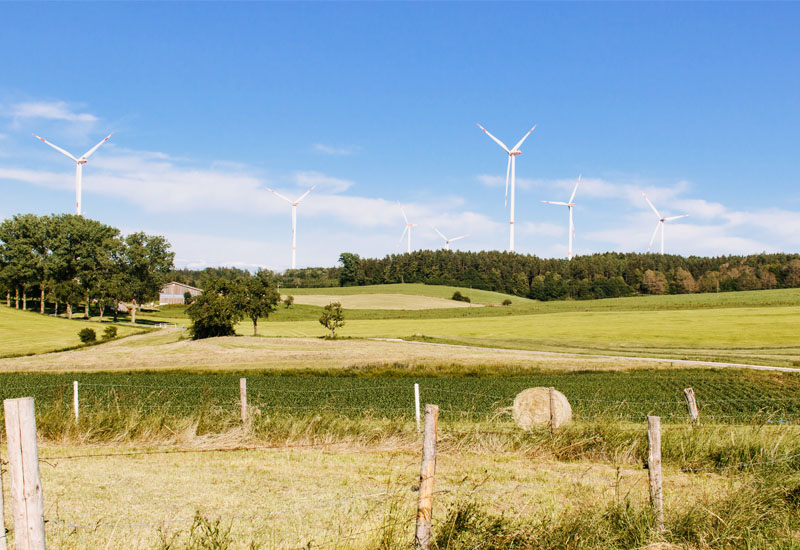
(532,408)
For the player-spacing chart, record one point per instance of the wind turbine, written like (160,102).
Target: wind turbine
(510,170)
(569,205)
(660,224)
(446,240)
(407,228)
(294,220)
(79,166)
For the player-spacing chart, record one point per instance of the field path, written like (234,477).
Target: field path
(686,362)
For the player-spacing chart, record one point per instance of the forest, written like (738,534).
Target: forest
(605,275)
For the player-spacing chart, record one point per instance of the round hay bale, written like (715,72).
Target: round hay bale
(532,408)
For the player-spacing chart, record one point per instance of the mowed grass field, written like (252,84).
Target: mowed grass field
(380,301)
(26,332)
(484,297)
(765,334)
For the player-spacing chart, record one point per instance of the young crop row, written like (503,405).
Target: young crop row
(725,396)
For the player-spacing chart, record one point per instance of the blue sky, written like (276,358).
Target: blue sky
(696,104)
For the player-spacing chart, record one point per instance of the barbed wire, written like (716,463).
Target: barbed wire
(240,448)
(323,505)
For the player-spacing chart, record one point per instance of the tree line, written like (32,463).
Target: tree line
(71,260)
(606,275)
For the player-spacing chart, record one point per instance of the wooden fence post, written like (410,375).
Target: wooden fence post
(23,467)
(691,403)
(654,468)
(416,404)
(552,410)
(243,398)
(422,539)
(75,399)
(3,545)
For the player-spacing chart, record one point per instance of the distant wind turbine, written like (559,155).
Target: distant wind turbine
(446,240)
(79,166)
(569,205)
(294,220)
(660,224)
(510,171)
(406,229)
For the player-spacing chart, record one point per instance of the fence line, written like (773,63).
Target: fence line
(322,506)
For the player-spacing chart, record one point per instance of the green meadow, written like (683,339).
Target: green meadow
(27,332)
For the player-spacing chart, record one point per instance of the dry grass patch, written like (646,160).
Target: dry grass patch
(290,498)
(165,350)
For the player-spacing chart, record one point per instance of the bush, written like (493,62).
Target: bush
(217,310)
(110,333)
(458,297)
(289,301)
(87,335)
(507,302)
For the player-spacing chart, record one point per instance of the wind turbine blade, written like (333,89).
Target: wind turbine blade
(440,233)
(56,147)
(518,145)
(556,202)
(459,237)
(402,235)
(651,204)
(93,149)
(497,141)
(649,246)
(404,213)
(279,195)
(304,195)
(676,217)
(508,174)
(572,197)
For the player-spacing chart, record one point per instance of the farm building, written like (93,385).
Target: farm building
(173,292)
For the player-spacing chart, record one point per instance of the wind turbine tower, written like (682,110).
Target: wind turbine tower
(569,205)
(660,224)
(407,229)
(79,162)
(510,172)
(294,220)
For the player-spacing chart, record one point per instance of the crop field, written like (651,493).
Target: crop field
(26,332)
(725,396)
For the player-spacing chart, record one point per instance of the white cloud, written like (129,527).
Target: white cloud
(336,151)
(526,184)
(49,110)
(322,182)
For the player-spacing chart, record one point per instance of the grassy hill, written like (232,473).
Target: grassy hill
(26,332)
(484,297)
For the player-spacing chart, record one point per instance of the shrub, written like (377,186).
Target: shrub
(507,302)
(458,297)
(87,335)
(289,301)
(110,333)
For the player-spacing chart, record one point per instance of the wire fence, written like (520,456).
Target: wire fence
(393,401)
(119,396)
